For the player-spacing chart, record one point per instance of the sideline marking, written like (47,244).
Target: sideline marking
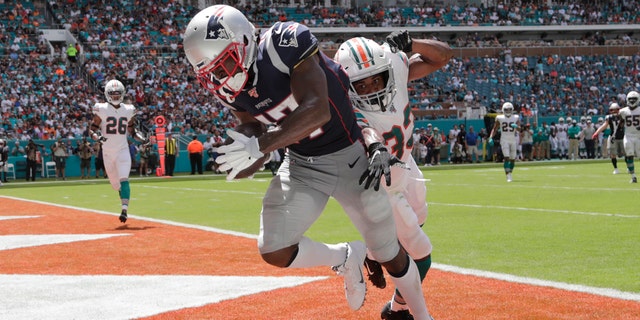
(17,217)
(33,240)
(607,292)
(129,297)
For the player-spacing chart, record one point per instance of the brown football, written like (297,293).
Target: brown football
(249,129)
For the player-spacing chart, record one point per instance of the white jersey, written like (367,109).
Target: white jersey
(397,122)
(562,131)
(114,125)
(631,121)
(507,132)
(407,191)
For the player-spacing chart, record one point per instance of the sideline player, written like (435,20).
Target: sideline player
(630,116)
(615,143)
(507,123)
(379,76)
(284,79)
(112,120)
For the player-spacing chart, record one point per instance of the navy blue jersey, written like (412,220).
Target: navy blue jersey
(268,95)
(617,127)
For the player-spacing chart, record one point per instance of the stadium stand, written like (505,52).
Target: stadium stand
(556,73)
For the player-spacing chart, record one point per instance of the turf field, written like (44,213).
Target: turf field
(559,221)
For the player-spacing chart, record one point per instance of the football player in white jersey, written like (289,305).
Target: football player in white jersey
(630,116)
(379,75)
(508,124)
(562,138)
(112,120)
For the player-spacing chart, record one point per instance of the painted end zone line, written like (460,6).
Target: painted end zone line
(612,293)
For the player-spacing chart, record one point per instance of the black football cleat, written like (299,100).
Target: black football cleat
(123,216)
(388,314)
(374,273)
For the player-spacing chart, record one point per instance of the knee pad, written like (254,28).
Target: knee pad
(410,234)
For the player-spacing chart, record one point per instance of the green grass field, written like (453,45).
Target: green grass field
(570,222)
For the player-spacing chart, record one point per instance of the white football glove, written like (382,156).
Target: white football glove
(238,155)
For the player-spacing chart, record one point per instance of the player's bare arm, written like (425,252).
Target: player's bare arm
(131,126)
(309,88)
(496,124)
(94,130)
(602,127)
(430,55)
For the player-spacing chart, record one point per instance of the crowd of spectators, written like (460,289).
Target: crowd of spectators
(550,85)
(46,96)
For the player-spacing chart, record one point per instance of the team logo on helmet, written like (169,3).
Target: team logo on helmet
(288,36)
(215,29)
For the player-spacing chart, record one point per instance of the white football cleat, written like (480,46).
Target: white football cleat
(615,171)
(509,177)
(355,288)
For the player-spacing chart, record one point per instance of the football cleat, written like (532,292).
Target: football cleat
(509,179)
(374,273)
(615,171)
(355,288)
(123,216)
(388,314)
(634,180)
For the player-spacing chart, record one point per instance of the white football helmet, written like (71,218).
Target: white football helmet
(362,58)
(507,109)
(114,92)
(614,108)
(633,98)
(561,120)
(221,45)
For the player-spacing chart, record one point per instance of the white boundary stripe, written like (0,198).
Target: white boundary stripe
(612,293)
(17,217)
(536,209)
(607,292)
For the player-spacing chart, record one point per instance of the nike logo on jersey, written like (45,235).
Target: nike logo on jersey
(354,163)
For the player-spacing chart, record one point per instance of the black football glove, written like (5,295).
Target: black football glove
(380,162)
(400,40)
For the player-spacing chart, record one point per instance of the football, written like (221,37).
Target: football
(250,129)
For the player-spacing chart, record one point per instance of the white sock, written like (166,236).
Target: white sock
(411,290)
(313,254)
(397,306)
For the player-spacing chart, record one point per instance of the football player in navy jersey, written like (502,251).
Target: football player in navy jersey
(615,140)
(282,79)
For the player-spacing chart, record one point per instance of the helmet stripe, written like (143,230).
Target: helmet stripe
(361,53)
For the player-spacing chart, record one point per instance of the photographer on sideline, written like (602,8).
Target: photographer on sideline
(60,152)
(31,151)
(85,151)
